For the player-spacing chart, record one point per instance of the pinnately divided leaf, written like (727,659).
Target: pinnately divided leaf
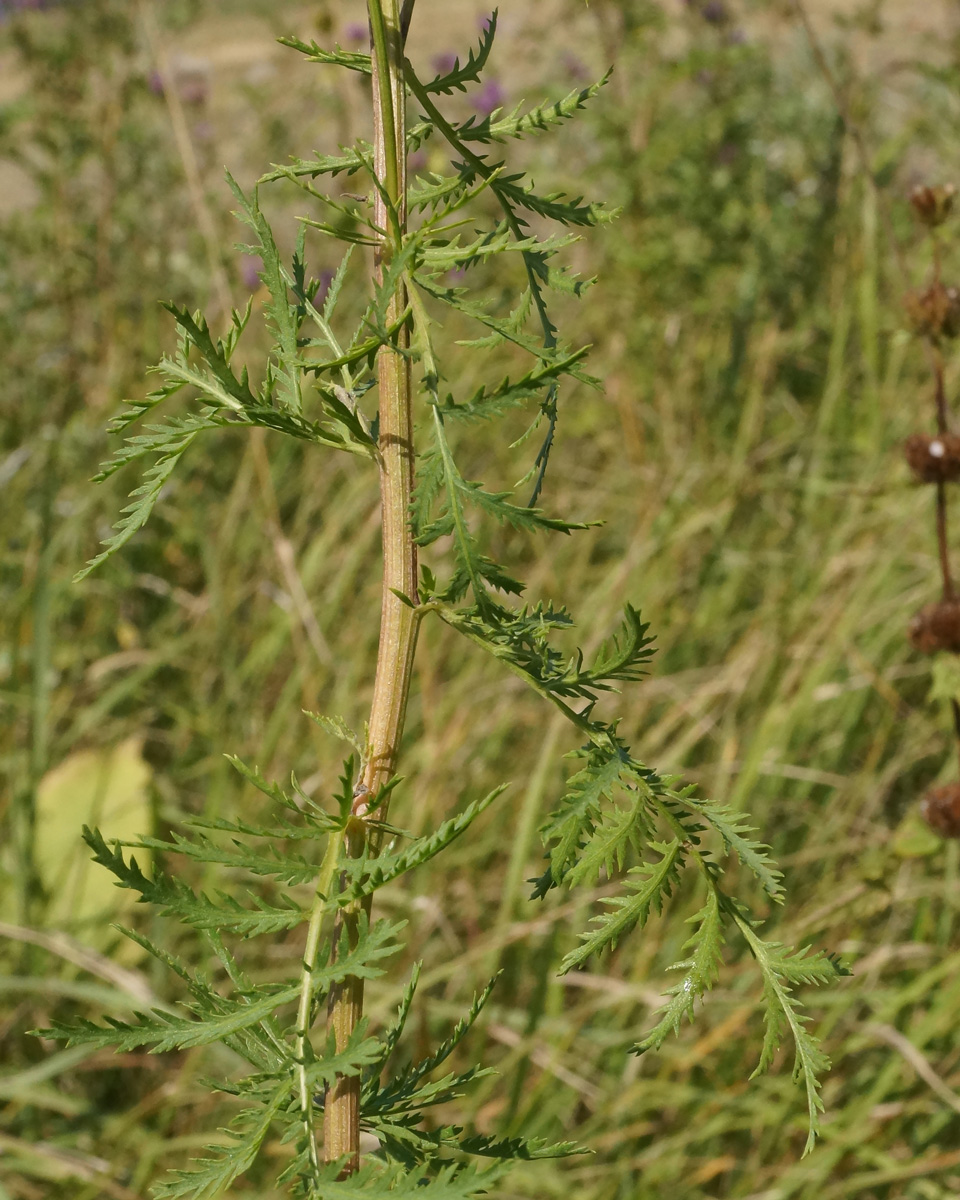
(375,1181)
(646,887)
(733,829)
(283,315)
(783,970)
(371,874)
(457,78)
(172,897)
(145,497)
(404,1092)
(211,1173)
(700,973)
(160,1031)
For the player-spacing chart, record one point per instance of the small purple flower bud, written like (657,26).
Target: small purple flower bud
(323,287)
(575,67)
(490,97)
(250,267)
(193,89)
(356,31)
(715,12)
(444,63)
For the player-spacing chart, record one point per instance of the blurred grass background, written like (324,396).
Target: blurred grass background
(745,462)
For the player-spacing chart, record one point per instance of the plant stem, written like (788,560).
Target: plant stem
(942,540)
(942,543)
(398,622)
(305,1011)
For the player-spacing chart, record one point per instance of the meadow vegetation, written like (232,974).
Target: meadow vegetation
(746,461)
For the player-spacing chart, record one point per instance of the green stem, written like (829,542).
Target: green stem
(304,1012)
(383,39)
(398,622)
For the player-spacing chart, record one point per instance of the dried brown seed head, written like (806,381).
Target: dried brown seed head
(934,311)
(936,627)
(932,205)
(933,459)
(940,808)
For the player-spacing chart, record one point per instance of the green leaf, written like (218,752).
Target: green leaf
(211,1173)
(783,970)
(285,867)
(369,875)
(173,897)
(359,1054)
(732,827)
(282,315)
(160,1031)
(350,162)
(700,973)
(391,1038)
(376,1181)
(338,728)
(405,1091)
(535,121)
(580,808)
(144,497)
(617,832)
(649,887)
(341,58)
(457,78)
(219,384)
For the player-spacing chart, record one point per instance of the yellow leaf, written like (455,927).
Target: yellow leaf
(103,788)
(913,838)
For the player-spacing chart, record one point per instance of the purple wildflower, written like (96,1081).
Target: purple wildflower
(356,31)
(575,67)
(444,63)
(193,89)
(714,12)
(323,287)
(250,267)
(490,97)
(484,22)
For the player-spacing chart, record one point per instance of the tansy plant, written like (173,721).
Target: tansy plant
(318,1074)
